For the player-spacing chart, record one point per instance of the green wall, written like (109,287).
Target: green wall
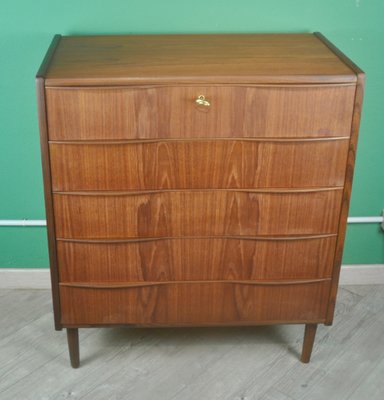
(27,27)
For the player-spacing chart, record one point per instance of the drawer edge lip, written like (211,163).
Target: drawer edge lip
(140,141)
(200,325)
(270,191)
(144,284)
(221,237)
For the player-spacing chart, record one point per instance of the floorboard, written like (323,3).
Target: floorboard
(198,363)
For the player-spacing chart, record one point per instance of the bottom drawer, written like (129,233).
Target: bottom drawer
(195,303)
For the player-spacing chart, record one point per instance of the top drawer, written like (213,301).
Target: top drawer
(117,113)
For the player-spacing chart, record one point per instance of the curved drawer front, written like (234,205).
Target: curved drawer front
(198,303)
(193,259)
(201,164)
(172,112)
(195,213)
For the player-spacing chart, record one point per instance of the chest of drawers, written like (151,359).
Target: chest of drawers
(196,179)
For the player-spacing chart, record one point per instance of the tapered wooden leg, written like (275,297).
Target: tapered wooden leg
(73,346)
(309,338)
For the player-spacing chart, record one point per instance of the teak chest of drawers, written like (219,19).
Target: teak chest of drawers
(196,179)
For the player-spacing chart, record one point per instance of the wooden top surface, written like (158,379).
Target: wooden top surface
(164,59)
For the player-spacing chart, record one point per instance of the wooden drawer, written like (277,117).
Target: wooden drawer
(199,164)
(195,213)
(193,259)
(198,303)
(171,112)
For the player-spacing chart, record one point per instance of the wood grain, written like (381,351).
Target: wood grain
(171,112)
(198,164)
(195,213)
(196,259)
(241,58)
(200,303)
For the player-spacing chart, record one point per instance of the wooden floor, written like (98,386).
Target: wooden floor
(193,364)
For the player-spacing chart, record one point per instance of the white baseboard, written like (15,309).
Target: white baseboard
(362,274)
(25,278)
(28,278)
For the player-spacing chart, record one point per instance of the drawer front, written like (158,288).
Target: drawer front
(171,112)
(195,213)
(198,303)
(194,259)
(199,164)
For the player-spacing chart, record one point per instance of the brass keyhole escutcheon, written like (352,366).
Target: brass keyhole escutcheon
(202,102)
